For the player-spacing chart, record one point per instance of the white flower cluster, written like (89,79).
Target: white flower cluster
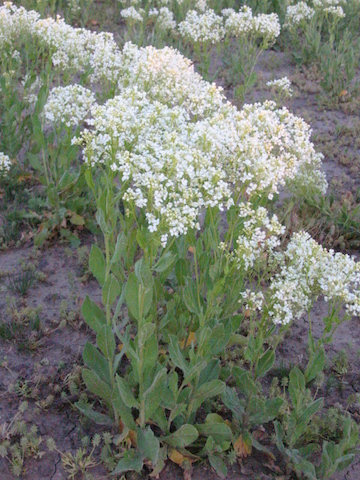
(337,12)
(252,301)
(263,148)
(132,14)
(281,84)
(243,23)
(202,28)
(165,20)
(5,163)
(307,271)
(68,105)
(169,77)
(257,149)
(326,3)
(297,14)
(201,5)
(154,149)
(259,235)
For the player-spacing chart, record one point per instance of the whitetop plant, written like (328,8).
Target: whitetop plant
(297,14)
(132,14)
(260,235)
(169,77)
(308,271)
(165,20)
(335,11)
(153,149)
(68,105)
(327,3)
(202,28)
(5,163)
(243,23)
(201,5)
(283,85)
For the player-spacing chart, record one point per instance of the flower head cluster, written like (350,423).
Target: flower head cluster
(202,28)
(263,148)
(251,300)
(132,14)
(15,22)
(282,85)
(326,3)
(337,12)
(167,76)
(307,271)
(5,163)
(243,23)
(297,14)
(201,5)
(68,105)
(165,19)
(154,150)
(259,235)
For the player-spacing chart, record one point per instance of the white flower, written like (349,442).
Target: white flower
(68,105)
(282,84)
(259,234)
(244,24)
(335,11)
(5,163)
(158,150)
(206,27)
(296,14)
(132,14)
(165,20)
(307,271)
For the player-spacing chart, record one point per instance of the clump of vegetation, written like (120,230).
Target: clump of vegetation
(201,278)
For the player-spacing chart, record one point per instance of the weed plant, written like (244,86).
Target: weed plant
(191,260)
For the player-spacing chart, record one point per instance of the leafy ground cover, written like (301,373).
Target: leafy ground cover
(163,311)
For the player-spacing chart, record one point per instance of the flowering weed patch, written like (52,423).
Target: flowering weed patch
(191,258)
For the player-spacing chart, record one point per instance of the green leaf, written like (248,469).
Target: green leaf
(153,395)
(164,262)
(96,385)
(190,298)
(207,390)
(126,393)
(181,271)
(265,363)
(219,431)
(138,296)
(233,403)
(296,386)
(244,381)
(106,341)
(307,415)
(120,248)
(186,435)
(76,219)
(97,264)
(96,417)
(194,372)
(100,218)
(148,444)
(218,465)
(111,290)
(122,410)
(93,314)
(89,179)
(265,410)
(132,461)
(315,365)
(97,362)
(176,354)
